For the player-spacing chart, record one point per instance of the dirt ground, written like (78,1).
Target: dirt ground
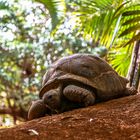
(117,119)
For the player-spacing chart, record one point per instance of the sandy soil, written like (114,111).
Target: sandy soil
(117,119)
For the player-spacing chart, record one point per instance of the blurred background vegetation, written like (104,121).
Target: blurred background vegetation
(33,34)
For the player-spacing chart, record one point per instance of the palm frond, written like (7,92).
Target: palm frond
(130,29)
(131,13)
(132,40)
(131,21)
(130,25)
(57,10)
(120,59)
(98,19)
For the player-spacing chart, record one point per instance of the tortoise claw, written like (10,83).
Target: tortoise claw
(79,95)
(38,109)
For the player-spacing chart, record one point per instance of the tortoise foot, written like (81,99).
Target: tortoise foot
(131,91)
(38,109)
(79,95)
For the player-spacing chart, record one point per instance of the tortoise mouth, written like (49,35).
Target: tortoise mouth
(54,83)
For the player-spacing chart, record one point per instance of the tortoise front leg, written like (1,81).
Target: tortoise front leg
(38,109)
(79,95)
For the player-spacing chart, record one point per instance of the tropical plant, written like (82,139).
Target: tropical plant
(57,10)
(26,50)
(27,45)
(114,24)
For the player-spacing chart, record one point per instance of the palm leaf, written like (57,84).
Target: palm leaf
(132,21)
(132,12)
(99,19)
(57,10)
(130,25)
(130,29)
(120,59)
(132,40)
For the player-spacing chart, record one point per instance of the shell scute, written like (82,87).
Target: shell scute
(87,69)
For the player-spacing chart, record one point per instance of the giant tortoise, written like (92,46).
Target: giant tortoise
(77,81)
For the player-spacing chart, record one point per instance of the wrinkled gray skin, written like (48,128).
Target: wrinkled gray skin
(71,97)
(54,98)
(58,100)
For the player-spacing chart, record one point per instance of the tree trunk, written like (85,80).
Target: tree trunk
(134,70)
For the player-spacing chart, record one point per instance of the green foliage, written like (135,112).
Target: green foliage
(27,46)
(109,23)
(26,50)
(21,58)
(104,18)
(3,5)
(120,59)
(57,10)
(130,24)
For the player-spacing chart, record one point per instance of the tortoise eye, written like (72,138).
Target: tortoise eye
(50,96)
(57,68)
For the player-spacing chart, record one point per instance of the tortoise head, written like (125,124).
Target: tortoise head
(52,98)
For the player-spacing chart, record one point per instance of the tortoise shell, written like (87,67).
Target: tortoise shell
(87,69)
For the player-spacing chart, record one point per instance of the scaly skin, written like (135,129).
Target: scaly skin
(74,96)
(52,98)
(79,95)
(54,101)
(130,91)
(38,109)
